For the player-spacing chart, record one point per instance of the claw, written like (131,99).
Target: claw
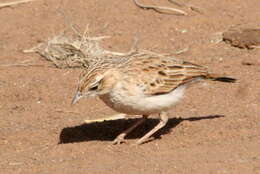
(119,139)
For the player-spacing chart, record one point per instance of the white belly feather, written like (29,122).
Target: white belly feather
(139,104)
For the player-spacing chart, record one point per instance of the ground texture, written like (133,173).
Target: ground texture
(215,129)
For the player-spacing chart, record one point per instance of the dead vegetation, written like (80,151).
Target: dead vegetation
(10,4)
(160,9)
(84,51)
(169,10)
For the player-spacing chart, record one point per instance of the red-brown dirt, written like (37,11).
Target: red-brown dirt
(215,129)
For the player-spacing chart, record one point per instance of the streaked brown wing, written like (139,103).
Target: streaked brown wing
(162,75)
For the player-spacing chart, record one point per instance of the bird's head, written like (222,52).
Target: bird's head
(92,82)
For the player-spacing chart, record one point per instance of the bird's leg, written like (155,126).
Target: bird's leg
(121,137)
(163,121)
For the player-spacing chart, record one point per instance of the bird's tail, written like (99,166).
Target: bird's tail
(217,77)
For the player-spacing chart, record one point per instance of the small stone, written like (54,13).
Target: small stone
(241,37)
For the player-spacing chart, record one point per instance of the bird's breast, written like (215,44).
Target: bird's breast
(134,102)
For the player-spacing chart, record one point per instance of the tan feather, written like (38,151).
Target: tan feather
(161,75)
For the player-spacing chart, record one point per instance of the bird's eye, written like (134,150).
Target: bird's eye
(93,88)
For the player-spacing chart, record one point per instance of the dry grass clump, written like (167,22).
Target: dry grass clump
(82,51)
(72,51)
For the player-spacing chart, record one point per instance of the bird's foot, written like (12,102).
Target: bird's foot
(119,139)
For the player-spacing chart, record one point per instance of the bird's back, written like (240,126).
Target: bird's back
(160,75)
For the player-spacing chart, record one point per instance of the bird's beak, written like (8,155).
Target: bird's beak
(76,98)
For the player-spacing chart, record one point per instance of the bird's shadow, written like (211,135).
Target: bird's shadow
(108,130)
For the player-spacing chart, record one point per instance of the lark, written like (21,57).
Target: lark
(142,86)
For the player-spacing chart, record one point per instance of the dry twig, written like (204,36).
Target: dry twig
(193,8)
(23,65)
(10,4)
(182,51)
(160,9)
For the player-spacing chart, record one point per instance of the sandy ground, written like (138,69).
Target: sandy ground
(215,129)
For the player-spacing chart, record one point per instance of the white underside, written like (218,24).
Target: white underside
(140,104)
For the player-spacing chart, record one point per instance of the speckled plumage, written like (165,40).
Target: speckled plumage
(142,86)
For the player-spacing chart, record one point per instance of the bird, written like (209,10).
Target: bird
(142,86)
